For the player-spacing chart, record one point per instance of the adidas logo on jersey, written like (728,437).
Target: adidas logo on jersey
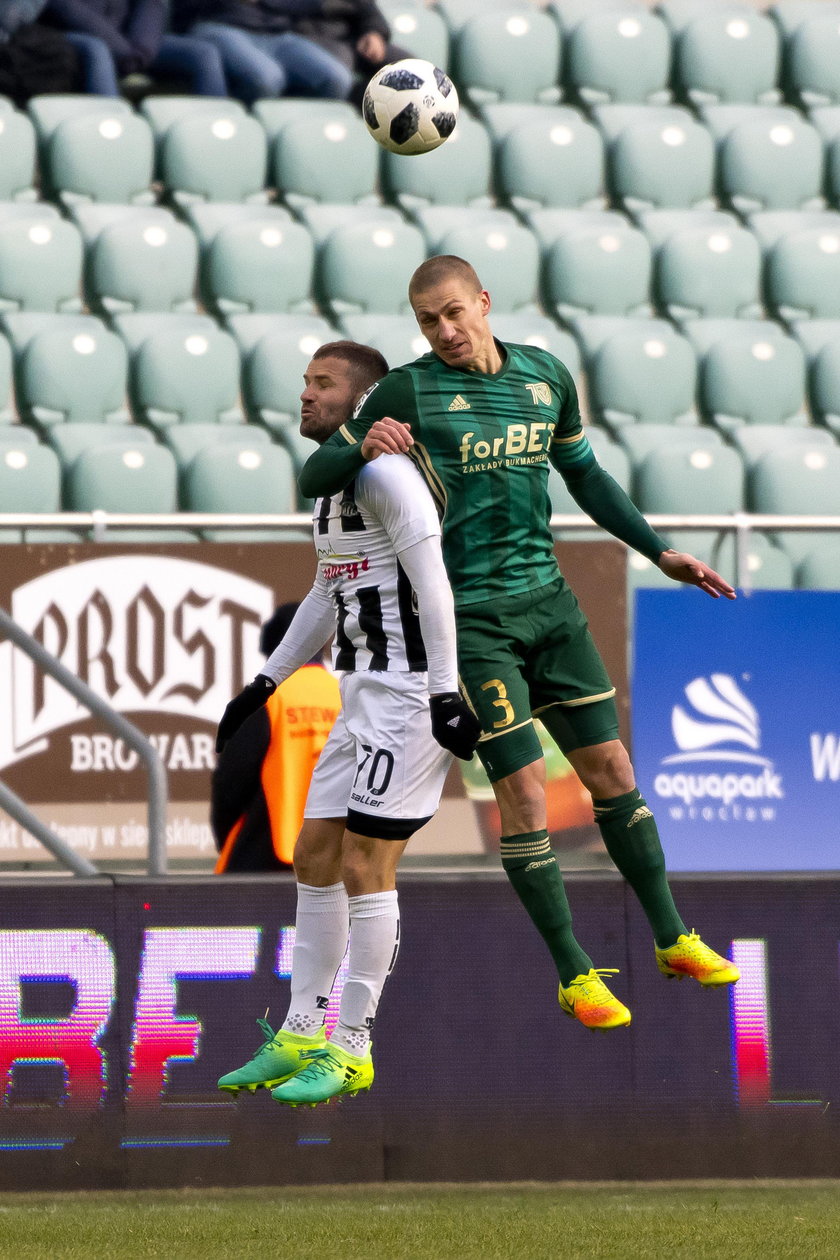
(459,403)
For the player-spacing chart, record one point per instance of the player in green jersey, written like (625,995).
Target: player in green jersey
(482,420)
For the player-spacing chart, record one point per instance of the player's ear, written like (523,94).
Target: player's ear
(484,300)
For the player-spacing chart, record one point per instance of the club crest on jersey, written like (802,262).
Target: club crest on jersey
(540,393)
(459,403)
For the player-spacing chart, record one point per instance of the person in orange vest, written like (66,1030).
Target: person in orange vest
(262,775)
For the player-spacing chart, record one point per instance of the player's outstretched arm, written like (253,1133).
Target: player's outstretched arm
(685,568)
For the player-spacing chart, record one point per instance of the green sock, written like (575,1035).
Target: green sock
(532,869)
(632,840)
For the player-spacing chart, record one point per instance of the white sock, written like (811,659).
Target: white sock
(322,925)
(374,942)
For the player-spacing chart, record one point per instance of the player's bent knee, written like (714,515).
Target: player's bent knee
(383,828)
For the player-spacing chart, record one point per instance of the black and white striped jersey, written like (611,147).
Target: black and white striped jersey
(359,535)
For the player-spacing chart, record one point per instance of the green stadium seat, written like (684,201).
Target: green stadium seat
(204,157)
(657,164)
(17,157)
(181,376)
(91,218)
(67,375)
(819,570)
(325,159)
(751,372)
(305,332)
(658,225)
(30,478)
(552,158)
(275,114)
(756,440)
(549,225)
(790,14)
(420,30)
(117,478)
(21,326)
(510,54)
(51,109)
(13,434)
(397,337)
(531,329)
(768,567)
(641,440)
(273,381)
(321,220)
(705,274)
(162,112)
(367,268)
(612,120)
(728,53)
(69,441)
(690,480)
(260,479)
(436,221)
(812,66)
(259,266)
(645,373)
(589,271)
(825,386)
(135,327)
(609,455)
(208,218)
(142,264)
(186,440)
(456,174)
(826,119)
(6,408)
(813,334)
(797,482)
(507,259)
(802,279)
(613,54)
(769,226)
(40,265)
(100,157)
(769,157)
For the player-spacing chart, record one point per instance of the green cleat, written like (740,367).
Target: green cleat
(279,1057)
(329,1072)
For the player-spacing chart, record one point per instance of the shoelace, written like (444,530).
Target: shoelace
(269,1034)
(323,1061)
(599,971)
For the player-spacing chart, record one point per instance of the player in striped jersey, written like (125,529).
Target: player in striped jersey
(482,421)
(382,588)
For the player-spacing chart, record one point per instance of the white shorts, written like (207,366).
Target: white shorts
(380,760)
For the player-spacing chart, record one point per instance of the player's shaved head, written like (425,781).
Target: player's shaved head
(367,366)
(443,269)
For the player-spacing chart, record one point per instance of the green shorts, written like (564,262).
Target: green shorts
(532,655)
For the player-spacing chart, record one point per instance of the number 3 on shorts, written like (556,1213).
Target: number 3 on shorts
(501,702)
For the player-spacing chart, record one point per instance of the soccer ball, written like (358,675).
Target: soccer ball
(410,106)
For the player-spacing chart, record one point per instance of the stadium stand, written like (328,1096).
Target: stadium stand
(590,271)
(324,159)
(459,173)
(751,372)
(117,478)
(365,267)
(657,163)
(613,54)
(547,157)
(181,376)
(40,265)
(769,157)
(802,278)
(702,273)
(17,157)
(727,53)
(106,157)
(797,482)
(6,400)
(422,30)
(508,55)
(66,375)
(258,266)
(142,262)
(204,157)
(645,373)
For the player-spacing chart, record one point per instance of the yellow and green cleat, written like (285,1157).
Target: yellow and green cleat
(690,957)
(587,998)
(279,1057)
(328,1072)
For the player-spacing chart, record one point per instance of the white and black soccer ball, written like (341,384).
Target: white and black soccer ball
(410,106)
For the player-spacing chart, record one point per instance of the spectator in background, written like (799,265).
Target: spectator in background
(116,38)
(262,777)
(33,58)
(359,37)
(262,54)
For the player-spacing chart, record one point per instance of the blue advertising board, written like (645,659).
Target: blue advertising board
(736,727)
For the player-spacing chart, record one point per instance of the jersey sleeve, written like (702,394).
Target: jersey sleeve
(393,489)
(570,451)
(338,460)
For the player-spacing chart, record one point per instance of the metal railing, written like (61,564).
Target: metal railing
(123,729)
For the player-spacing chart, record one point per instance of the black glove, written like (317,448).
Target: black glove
(454,725)
(250,699)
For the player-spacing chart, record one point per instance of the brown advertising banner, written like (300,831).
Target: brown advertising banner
(167,634)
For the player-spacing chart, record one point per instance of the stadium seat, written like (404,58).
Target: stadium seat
(208,218)
(640,440)
(17,157)
(273,381)
(751,372)
(727,53)
(790,14)
(813,58)
(826,119)
(589,271)
(769,158)
(259,266)
(658,225)
(456,13)
(825,386)
(797,482)
(260,479)
(135,327)
(321,220)
(49,110)
(529,329)
(549,225)
(456,174)
(769,226)
(69,441)
(511,54)
(756,440)
(181,376)
(507,259)
(65,375)
(702,273)
(610,456)
(275,114)
(813,334)
(186,440)
(30,478)
(305,332)
(646,373)
(117,478)
(656,164)
(819,569)
(397,337)
(100,157)
(833,172)
(6,408)
(362,268)
(802,278)
(551,158)
(204,157)
(139,264)
(325,159)
(419,29)
(768,568)
(435,222)
(612,120)
(615,55)
(40,265)
(690,480)
(13,434)
(92,218)
(161,112)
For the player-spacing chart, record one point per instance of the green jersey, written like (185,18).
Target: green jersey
(483,443)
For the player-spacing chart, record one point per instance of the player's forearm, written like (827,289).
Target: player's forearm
(311,627)
(330,468)
(602,498)
(423,565)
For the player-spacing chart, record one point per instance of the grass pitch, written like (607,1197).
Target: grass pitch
(618,1220)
